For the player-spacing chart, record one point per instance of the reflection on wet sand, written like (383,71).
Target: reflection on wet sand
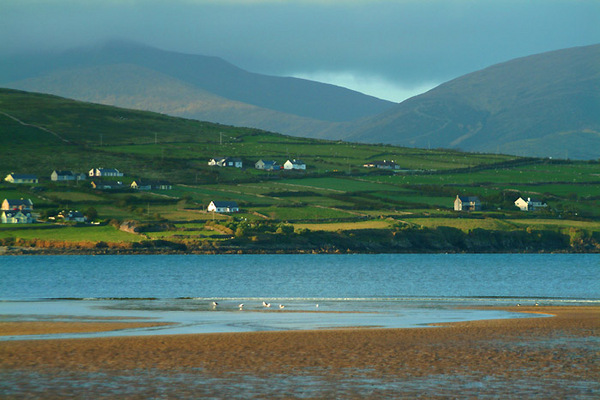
(533,357)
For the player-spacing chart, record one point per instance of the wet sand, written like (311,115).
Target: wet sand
(558,355)
(43,328)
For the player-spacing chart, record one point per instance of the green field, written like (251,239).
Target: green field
(335,193)
(69,233)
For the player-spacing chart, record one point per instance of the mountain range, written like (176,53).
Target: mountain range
(544,105)
(192,86)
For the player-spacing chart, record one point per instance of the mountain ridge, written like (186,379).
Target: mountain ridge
(515,107)
(543,105)
(290,96)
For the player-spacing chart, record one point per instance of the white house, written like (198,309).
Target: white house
(67,176)
(294,164)
(225,162)
(529,204)
(223,206)
(467,203)
(21,178)
(104,172)
(16,217)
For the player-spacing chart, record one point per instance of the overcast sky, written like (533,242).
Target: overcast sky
(392,49)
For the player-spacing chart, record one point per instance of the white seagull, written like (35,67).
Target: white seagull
(265,304)
(241,306)
(281,306)
(214,304)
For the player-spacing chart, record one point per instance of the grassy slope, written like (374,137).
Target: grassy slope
(334,190)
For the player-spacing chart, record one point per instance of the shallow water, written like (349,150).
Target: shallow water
(197,316)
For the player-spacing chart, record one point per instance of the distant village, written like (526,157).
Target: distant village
(21,211)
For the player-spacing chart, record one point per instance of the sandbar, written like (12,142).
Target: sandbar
(564,349)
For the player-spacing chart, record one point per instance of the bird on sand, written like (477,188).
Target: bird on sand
(281,306)
(241,306)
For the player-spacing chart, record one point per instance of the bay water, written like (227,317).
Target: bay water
(385,290)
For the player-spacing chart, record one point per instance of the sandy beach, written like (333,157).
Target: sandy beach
(497,357)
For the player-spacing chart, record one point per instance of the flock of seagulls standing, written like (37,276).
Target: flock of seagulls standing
(241,305)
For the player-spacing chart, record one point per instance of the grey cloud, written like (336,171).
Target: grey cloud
(402,41)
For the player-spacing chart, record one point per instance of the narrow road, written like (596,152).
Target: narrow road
(35,126)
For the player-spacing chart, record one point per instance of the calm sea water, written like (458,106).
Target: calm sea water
(468,277)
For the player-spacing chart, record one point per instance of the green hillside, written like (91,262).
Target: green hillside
(545,105)
(335,205)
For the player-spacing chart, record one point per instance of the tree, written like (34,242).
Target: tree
(91,213)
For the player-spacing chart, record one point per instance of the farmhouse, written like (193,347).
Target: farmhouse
(266,165)
(76,216)
(16,211)
(16,217)
(100,185)
(21,178)
(529,204)
(140,184)
(467,203)
(20,204)
(385,164)
(294,164)
(104,172)
(223,206)
(67,176)
(225,162)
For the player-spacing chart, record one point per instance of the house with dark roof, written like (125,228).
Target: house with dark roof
(267,165)
(104,172)
(385,164)
(467,203)
(225,162)
(67,176)
(76,216)
(529,204)
(140,184)
(223,207)
(101,185)
(21,178)
(16,217)
(17,204)
(294,164)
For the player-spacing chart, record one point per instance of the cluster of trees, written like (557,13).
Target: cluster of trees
(244,228)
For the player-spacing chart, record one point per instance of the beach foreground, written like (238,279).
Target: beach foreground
(528,357)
